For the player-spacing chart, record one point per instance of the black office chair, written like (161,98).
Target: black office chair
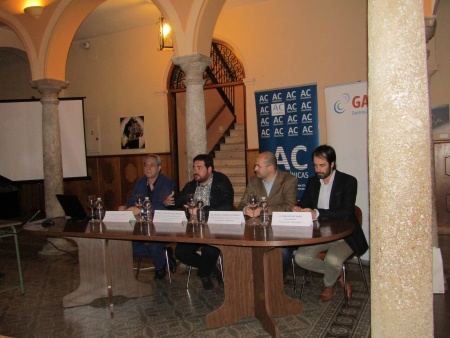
(322,255)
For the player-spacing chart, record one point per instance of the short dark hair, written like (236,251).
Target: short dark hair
(326,152)
(206,159)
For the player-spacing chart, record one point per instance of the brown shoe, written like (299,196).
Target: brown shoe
(348,286)
(327,294)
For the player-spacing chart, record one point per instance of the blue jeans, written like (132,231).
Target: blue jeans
(153,250)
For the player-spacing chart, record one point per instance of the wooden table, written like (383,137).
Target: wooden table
(252,265)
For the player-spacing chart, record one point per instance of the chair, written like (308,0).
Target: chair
(322,255)
(13,232)
(138,268)
(219,261)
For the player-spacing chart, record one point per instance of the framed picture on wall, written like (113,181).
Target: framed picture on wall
(132,132)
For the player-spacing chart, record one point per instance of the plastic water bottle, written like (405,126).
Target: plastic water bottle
(201,217)
(264,215)
(100,210)
(147,210)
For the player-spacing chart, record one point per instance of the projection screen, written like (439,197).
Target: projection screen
(21,155)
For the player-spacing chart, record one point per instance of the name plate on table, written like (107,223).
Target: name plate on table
(169,216)
(119,220)
(297,219)
(169,227)
(226,217)
(226,229)
(292,231)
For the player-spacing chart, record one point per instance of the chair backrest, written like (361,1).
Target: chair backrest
(358,214)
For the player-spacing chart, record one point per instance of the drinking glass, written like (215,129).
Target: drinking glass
(91,201)
(191,203)
(138,200)
(252,203)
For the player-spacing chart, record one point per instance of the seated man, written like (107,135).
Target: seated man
(157,187)
(217,193)
(330,194)
(280,188)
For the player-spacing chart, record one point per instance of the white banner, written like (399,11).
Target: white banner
(347,119)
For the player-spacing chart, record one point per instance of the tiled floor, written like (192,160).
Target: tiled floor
(173,311)
(169,311)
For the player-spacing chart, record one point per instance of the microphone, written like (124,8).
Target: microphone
(33,217)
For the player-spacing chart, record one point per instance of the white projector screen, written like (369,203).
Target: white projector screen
(21,139)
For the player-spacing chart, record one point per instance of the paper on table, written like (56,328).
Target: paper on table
(292,231)
(296,219)
(226,217)
(119,220)
(169,216)
(118,216)
(169,227)
(226,229)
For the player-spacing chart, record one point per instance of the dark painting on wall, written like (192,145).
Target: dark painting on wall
(132,129)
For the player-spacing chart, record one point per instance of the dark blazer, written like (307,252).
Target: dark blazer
(342,205)
(221,198)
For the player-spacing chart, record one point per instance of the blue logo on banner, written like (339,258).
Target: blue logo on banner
(289,127)
(341,104)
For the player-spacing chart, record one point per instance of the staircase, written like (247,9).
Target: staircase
(230,160)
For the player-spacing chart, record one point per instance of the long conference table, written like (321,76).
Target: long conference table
(253,283)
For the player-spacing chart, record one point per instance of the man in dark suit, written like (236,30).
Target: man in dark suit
(216,191)
(330,194)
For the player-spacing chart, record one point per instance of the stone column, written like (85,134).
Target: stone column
(399,171)
(196,142)
(430,29)
(51,145)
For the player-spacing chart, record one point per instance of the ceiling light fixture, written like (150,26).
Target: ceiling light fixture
(34,11)
(165,36)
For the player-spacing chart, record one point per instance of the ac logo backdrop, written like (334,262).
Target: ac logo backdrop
(288,126)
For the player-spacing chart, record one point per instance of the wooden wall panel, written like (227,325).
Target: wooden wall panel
(131,169)
(109,179)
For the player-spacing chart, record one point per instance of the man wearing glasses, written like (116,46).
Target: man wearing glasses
(217,193)
(278,186)
(157,187)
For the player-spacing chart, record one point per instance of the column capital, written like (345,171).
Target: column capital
(49,87)
(193,66)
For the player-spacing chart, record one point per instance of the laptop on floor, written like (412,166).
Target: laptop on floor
(72,207)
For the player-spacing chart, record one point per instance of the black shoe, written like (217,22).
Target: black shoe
(160,274)
(2,275)
(207,283)
(218,274)
(172,261)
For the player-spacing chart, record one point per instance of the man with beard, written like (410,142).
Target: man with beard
(278,186)
(216,191)
(329,194)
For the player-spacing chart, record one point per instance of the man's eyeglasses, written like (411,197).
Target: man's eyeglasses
(258,166)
